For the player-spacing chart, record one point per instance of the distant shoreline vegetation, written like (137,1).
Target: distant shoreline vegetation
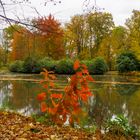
(126,63)
(63,66)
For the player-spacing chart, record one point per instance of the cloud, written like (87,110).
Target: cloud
(120,9)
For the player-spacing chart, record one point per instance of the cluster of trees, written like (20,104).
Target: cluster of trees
(84,36)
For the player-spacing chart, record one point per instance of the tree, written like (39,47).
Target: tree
(86,32)
(21,47)
(99,25)
(51,35)
(77,35)
(133,25)
(127,61)
(7,38)
(1,56)
(113,45)
(67,106)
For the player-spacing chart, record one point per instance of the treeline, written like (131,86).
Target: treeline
(63,66)
(85,37)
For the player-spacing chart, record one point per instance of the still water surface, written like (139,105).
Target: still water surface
(113,95)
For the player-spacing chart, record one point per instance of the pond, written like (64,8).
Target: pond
(113,95)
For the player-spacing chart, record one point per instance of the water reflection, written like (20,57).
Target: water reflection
(109,98)
(19,96)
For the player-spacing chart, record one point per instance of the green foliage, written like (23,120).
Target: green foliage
(91,67)
(133,25)
(31,65)
(43,118)
(120,125)
(98,66)
(64,66)
(127,62)
(9,31)
(48,64)
(16,66)
(89,64)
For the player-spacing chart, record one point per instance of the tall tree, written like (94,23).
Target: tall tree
(7,38)
(100,25)
(21,47)
(133,25)
(51,35)
(77,35)
(113,45)
(86,32)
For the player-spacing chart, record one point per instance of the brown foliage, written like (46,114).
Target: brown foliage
(51,34)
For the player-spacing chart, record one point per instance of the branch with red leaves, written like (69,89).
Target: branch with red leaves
(66,106)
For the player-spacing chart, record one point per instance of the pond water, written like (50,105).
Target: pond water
(113,95)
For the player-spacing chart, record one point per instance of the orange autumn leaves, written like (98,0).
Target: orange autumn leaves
(44,41)
(48,98)
(66,104)
(41,96)
(76,65)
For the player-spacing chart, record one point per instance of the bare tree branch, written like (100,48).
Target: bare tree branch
(25,24)
(6,16)
(15,21)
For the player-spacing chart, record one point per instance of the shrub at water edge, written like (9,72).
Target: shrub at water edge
(31,65)
(64,66)
(48,64)
(97,66)
(16,66)
(127,62)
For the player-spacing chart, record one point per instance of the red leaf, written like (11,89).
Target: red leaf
(52,76)
(79,73)
(76,65)
(90,78)
(83,97)
(41,96)
(43,107)
(54,104)
(84,66)
(85,71)
(89,93)
(51,84)
(56,96)
(45,86)
(52,110)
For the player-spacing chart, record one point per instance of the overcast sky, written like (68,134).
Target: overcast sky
(120,9)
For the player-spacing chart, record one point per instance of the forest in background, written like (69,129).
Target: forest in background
(85,37)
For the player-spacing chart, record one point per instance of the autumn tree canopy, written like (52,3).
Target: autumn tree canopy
(133,25)
(50,34)
(86,32)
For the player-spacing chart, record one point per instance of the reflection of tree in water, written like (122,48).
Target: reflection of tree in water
(21,96)
(126,89)
(24,95)
(133,106)
(109,102)
(5,93)
(100,109)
